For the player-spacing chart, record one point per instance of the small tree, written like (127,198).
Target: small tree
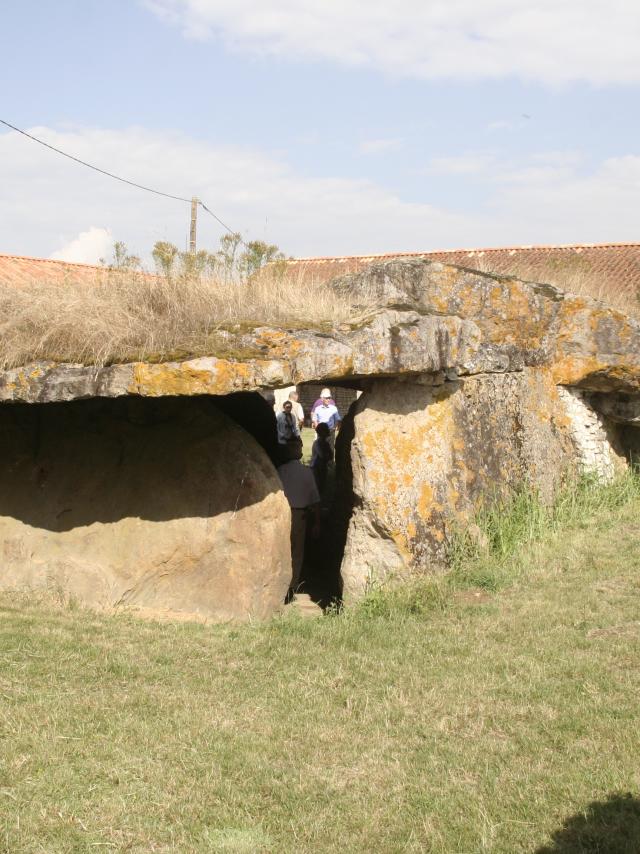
(121,259)
(226,257)
(194,264)
(164,255)
(256,254)
(227,263)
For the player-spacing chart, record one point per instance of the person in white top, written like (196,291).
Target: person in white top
(301,492)
(296,406)
(327,413)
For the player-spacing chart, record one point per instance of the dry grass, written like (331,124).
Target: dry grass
(574,276)
(130,316)
(125,316)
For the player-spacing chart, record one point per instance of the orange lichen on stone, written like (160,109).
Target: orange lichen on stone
(571,370)
(425,500)
(342,366)
(186,379)
(281,345)
(401,544)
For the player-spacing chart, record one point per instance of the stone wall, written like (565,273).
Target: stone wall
(596,440)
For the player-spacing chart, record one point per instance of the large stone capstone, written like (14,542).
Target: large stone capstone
(411,317)
(164,507)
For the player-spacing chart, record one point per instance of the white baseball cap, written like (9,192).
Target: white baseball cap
(325,393)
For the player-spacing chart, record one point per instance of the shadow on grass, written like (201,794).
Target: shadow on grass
(605,827)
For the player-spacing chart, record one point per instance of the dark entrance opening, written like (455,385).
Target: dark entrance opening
(620,415)
(321,579)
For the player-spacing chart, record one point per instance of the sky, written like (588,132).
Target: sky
(327,127)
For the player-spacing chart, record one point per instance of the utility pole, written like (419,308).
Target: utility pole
(192,230)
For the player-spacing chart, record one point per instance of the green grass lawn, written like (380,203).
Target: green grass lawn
(308,436)
(477,722)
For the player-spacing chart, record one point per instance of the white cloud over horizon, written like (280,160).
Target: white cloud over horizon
(89,247)
(380,146)
(552,41)
(49,202)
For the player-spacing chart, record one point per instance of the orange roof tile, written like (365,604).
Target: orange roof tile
(611,261)
(19,270)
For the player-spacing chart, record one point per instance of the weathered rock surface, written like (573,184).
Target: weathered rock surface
(425,459)
(473,384)
(429,318)
(164,507)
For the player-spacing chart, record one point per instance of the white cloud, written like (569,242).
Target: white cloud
(87,248)
(547,198)
(380,146)
(506,125)
(554,41)
(44,195)
(599,206)
(461,164)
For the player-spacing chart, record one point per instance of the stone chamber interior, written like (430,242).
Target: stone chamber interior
(69,465)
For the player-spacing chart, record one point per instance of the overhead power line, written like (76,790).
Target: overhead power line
(117,177)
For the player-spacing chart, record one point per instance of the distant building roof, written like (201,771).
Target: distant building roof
(611,261)
(617,263)
(18,270)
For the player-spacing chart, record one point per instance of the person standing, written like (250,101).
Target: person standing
(296,408)
(327,413)
(321,457)
(287,424)
(324,394)
(301,492)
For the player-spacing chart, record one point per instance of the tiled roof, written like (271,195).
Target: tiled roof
(619,262)
(18,270)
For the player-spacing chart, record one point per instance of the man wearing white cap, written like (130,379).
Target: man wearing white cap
(326,413)
(324,393)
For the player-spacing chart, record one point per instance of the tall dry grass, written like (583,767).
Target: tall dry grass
(125,316)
